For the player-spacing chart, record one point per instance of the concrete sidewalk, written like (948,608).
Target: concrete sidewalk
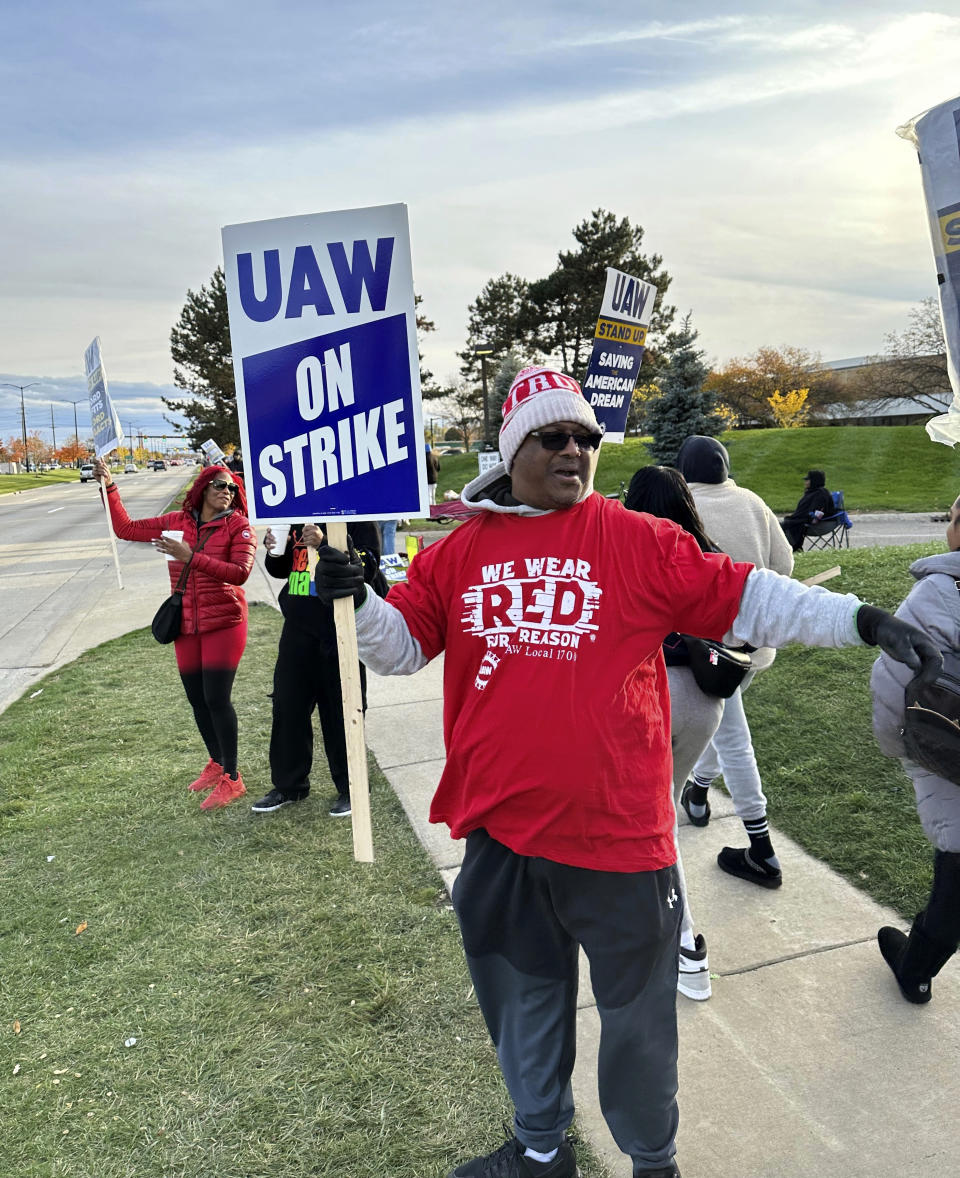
(806,1061)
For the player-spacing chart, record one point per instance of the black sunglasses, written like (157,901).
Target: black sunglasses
(558,439)
(223,485)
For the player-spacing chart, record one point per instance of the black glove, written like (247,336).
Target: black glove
(339,574)
(900,641)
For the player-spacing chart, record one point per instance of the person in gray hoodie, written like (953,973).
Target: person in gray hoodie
(747,530)
(933,605)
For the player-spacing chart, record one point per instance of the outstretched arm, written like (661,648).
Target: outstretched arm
(776,610)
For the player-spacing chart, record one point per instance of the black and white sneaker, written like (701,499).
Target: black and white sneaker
(341,807)
(509,1162)
(273,801)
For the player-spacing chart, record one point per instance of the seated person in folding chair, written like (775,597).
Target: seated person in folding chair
(815,503)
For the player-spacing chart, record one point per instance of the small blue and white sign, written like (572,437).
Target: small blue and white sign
(619,342)
(323,330)
(107,430)
(212,452)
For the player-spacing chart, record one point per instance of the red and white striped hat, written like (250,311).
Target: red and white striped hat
(541,396)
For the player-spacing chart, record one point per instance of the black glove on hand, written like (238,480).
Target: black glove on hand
(339,575)
(900,641)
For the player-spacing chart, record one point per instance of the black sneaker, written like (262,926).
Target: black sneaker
(341,807)
(670,1171)
(273,801)
(508,1162)
(695,820)
(741,864)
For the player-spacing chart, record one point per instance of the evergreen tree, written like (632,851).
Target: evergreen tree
(561,312)
(494,320)
(684,406)
(200,346)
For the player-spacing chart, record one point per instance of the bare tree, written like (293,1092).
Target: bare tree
(913,364)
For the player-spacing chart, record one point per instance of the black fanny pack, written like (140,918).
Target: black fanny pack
(718,670)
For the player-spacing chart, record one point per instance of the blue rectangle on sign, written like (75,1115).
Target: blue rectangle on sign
(610,381)
(331,425)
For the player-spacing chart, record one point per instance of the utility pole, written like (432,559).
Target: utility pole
(53,430)
(23,415)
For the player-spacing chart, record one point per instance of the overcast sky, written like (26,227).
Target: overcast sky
(757,151)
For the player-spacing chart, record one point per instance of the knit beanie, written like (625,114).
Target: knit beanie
(539,397)
(701,459)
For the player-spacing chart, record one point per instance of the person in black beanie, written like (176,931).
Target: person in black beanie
(815,503)
(307,674)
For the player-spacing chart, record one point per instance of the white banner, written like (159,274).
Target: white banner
(936,136)
(107,430)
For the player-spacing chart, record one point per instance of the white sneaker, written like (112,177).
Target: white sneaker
(693,980)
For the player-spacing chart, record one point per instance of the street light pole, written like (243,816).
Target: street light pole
(23,414)
(483,351)
(76,427)
(53,430)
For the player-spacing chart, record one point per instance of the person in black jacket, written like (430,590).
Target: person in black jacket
(815,503)
(307,674)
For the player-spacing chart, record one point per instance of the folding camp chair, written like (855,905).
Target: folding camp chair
(831,531)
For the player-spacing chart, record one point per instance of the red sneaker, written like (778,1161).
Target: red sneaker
(227,791)
(211,774)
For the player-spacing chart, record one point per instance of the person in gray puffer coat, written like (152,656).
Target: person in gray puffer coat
(933,605)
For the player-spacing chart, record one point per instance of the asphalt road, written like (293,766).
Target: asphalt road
(59,593)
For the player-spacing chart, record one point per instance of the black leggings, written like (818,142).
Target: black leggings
(209,696)
(208,667)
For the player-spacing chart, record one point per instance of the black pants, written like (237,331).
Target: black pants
(794,530)
(522,920)
(307,676)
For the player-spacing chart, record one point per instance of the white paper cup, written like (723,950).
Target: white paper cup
(173,534)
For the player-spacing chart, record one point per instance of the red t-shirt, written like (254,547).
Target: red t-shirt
(556,710)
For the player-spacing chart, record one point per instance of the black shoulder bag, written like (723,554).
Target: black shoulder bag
(931,721)
(167,620)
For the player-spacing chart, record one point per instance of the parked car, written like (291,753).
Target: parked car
(86,473)
(130,468)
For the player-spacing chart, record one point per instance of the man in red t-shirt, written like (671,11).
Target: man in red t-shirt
(551,606)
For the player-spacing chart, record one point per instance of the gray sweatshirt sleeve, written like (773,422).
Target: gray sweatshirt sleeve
(776,610)
(383,640)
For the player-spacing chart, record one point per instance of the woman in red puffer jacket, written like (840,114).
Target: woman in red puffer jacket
(218,546)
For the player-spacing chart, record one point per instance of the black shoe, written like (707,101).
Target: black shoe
(741,864)
(341,807)
(685,802)
(915,960)
(273,801)
(670,1171)
(508,1162)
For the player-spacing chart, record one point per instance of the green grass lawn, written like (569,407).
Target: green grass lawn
(295,1013)
(879,468)
(28,482)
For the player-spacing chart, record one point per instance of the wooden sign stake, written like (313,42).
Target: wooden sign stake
(352,710)
(826,575)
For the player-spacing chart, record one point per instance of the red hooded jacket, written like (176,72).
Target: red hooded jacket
(212,599)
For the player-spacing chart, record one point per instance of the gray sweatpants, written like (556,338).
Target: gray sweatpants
(522,920)
(694,717)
